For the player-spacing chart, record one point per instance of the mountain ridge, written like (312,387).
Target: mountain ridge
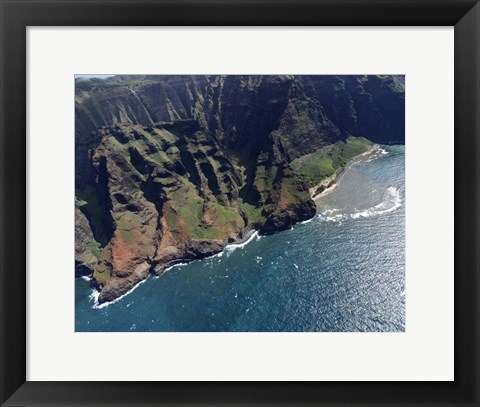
(173,168)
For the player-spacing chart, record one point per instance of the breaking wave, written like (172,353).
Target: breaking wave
(306,221)
(391,201)
(175,265)
(378,153)
(232,247)
(95,293)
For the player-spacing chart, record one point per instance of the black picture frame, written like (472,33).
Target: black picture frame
(16,15)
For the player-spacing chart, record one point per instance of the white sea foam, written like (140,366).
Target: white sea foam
(86,278)
(391,202)
(175,265)
(228,249)
(306,221)
(94,296)
(219,254)
(232,247)
(378,153)
(334,218)
(328,212)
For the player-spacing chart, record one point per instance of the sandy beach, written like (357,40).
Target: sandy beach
(330,183)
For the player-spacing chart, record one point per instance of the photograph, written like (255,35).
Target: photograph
(239,203)
(272,203)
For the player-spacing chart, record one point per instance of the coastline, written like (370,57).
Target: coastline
(330,183)
(245,236)
(217,293)
(99,305)
(241,241)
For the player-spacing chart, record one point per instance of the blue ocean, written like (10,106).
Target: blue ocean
(342,271)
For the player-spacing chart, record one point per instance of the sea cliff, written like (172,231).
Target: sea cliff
(174,168)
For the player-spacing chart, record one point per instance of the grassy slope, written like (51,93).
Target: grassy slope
(323,163)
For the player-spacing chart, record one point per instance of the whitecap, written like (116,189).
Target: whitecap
(306,221)
(334,218)
(234,246)
(94,295)
(391,202)
(175,265)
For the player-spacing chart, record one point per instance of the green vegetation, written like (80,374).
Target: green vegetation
(217,222)
(222,214)
(207,234)
(184,210)
(166,162)
(102,277)
(129,221)
(90,204)
(355,146)
(95,248)
(253,213)
(289,191)
(323,163)
(128,236)
(90,84)
(264,177)
(190,216)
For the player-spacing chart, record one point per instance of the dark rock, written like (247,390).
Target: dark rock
(173,168)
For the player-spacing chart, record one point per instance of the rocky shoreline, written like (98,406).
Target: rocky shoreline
(202,250)
(197,250)
(240,239)
(170,169)
(101,301)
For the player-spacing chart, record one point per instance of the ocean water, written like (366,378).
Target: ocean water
(344,270)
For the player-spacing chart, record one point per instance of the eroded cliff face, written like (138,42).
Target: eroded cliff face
(305,112)
(172,168)
(87,249)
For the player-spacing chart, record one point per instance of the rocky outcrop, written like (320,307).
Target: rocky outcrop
(87,249)
(172,168)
